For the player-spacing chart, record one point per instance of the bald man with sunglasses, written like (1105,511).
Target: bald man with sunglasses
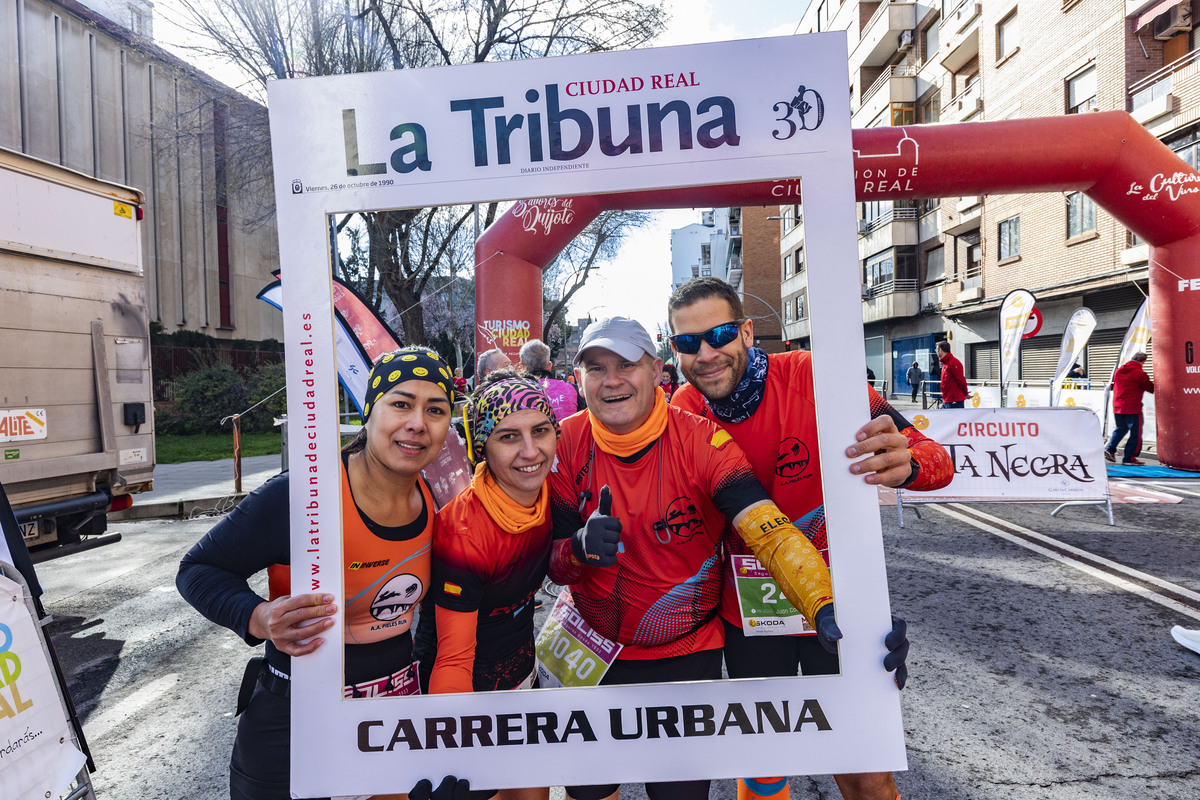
(766,403)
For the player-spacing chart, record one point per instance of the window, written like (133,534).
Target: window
(931,41)
(974,274)
(1081,214)
(1006,36)
(903,114)
(799,262)
(823,16)
(800,307)
(787,312)
(927,205)
(931,109)
(797,215)
(1010,238)
(935,265)
(787,266)
(1081,91)
(879,269)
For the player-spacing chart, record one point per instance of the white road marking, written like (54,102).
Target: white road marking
(1173,488)
(120,714)
(1100,574)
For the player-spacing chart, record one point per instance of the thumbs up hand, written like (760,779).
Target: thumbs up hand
(595,544)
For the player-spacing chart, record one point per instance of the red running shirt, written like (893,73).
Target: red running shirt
(660,599)
(780,440)
(489,576)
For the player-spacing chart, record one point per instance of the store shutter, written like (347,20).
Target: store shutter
(984,361)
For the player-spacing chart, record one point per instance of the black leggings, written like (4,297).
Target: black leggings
(260,768)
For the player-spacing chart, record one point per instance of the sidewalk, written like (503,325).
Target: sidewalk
(198,487)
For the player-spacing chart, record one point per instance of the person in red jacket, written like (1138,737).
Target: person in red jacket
(954,383)
(1130,382)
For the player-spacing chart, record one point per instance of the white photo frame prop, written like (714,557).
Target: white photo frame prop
(418,138)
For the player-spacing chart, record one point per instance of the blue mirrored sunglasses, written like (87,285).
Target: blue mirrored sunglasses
(717,336)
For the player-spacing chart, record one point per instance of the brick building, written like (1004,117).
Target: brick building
(943,266)
(739,245)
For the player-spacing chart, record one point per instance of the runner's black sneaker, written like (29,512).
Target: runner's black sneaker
(1110,455)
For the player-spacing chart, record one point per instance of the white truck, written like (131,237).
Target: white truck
(76,413)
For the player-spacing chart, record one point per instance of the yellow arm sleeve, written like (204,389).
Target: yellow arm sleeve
(788,555)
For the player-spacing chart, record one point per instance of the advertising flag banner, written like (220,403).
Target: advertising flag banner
(38,757)
(705,116)
(1137,338)
(1014,313)
(1017,454)
(1075,338)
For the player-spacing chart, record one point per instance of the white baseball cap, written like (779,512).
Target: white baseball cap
(624,336)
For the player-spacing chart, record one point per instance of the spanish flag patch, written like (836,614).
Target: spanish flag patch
(452,588)
(719,438)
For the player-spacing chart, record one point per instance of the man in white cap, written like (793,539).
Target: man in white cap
(639,497)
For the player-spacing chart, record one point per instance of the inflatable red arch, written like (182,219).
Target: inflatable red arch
(1108,156)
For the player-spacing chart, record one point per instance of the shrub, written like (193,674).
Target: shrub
(268,378)
(205,396)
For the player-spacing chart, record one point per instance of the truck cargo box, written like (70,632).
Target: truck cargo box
(76,413)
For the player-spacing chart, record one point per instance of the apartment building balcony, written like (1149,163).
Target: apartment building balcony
(964,105)
(895,86)
(896,298)
(959,33)
(1153,100)
(965,217)
(895,226)
(890,30)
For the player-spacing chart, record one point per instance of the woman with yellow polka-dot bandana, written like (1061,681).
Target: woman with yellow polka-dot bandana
(387,528)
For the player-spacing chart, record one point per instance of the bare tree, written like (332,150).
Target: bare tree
(595,245)
(280,39)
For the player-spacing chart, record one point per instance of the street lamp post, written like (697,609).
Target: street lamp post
(787,343)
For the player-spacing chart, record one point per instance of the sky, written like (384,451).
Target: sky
(638,281)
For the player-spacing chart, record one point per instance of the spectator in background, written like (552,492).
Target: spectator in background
(871,377)
(460,383)
(954,382)
(491,360)
(535,363)
(1130,382)
(670,380)
(915,376)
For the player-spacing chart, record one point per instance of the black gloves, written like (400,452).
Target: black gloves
(896,642)
(595,544)
(828,631)
(451,788)
(897,645)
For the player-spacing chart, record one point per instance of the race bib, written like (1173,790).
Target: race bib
(764,609)
(401,683)
(569,652)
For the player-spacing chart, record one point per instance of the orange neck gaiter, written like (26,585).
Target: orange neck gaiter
(511,516)
(626,444)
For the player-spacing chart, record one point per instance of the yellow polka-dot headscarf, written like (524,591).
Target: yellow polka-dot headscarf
(407,364)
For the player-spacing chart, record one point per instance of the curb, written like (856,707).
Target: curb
(178,509)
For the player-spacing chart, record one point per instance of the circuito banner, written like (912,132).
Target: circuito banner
(1017,454)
